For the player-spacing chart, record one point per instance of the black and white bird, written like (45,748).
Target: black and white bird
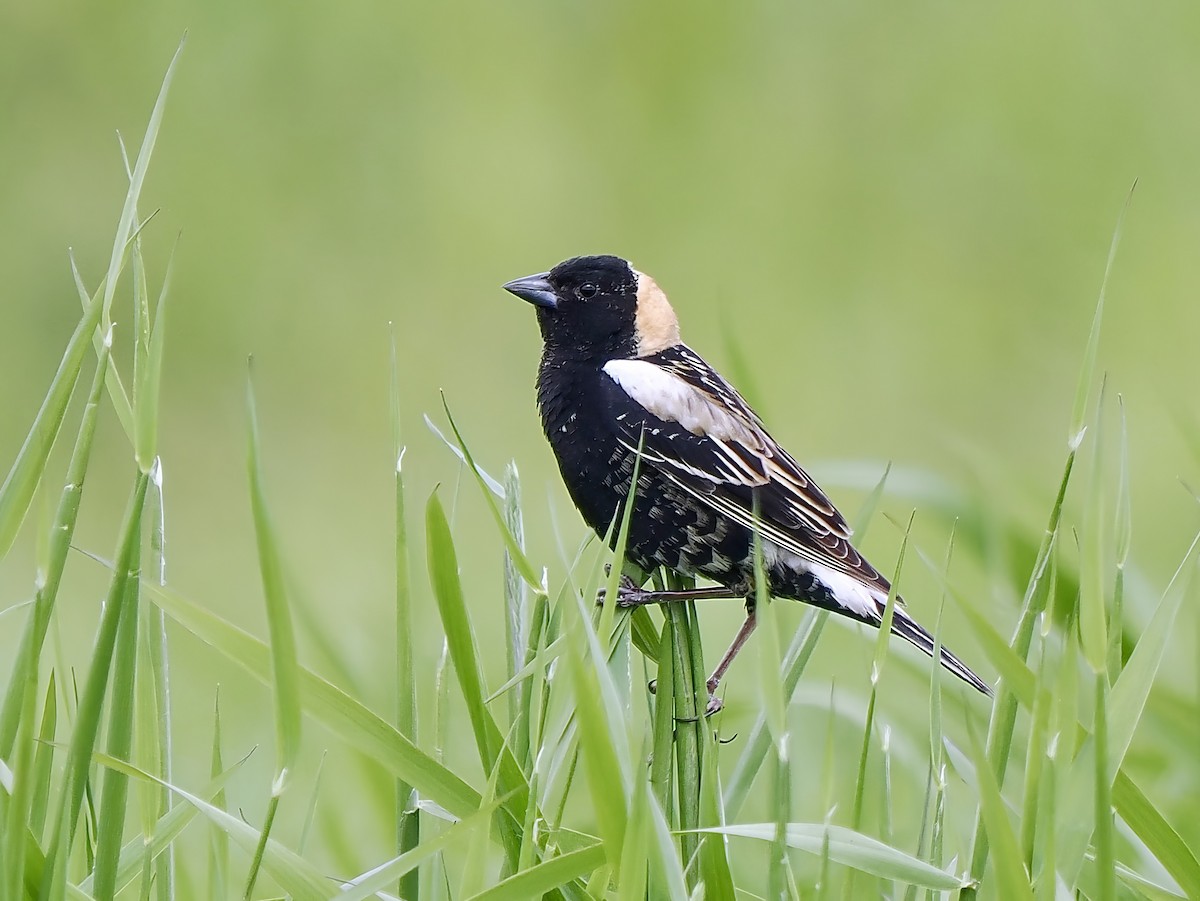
(615,376)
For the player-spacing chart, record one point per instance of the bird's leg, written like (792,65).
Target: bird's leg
(715,703)
(630,594)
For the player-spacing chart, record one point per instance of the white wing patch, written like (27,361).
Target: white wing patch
(672,399)
(849,592)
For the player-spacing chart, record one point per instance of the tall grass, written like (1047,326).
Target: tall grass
(592,784)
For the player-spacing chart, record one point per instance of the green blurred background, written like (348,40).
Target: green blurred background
(899,212)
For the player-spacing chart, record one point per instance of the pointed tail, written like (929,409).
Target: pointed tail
(912,631)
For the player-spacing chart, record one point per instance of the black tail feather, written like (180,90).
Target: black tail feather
(912,631)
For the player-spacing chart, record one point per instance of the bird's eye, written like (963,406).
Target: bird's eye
(588,290)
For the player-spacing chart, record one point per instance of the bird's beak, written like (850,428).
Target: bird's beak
(535,289)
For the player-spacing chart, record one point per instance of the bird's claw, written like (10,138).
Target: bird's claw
(629,594)
(714,704)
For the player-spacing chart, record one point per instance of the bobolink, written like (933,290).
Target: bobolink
(614,377)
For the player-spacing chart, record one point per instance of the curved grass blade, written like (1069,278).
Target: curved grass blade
(851,849)
(20,485)
(339,712)
(293,873)
(547,875)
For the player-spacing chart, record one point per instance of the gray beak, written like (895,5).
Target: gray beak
(535,289)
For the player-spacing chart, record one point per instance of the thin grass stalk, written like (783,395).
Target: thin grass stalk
(115,791)
(689,712)
(1004,709)
(160,677)
(1103,836)
(408,821)
(89,707)
(61,533)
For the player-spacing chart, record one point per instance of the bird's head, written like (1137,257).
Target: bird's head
(600,308)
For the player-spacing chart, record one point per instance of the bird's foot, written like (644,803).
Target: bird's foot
(629,594)
(714,703)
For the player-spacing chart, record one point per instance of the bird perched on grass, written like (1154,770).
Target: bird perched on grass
(615,377)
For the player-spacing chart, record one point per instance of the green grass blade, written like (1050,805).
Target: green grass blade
(91,704)
(333,708)
(148,380)
(136,180)
(1093,635)
(520,561)
(110,825)
(293,873)
(116,390)
(852,849)
(162,835)
(1126,705)
(43,760)
(1088,369)
(284,667)
(20,485)
(608,782)
(547,875)
(1012,882)
(218,839)
(368,884)
(464,649)
(1104,839)
(408,820)
(1159,835)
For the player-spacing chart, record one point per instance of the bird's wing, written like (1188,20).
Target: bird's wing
(704,437)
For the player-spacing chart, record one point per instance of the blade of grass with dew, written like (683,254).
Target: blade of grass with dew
(520,561)
(852,849)
(293,873)
(882,645)
(372,882)
(136,180)
(116,390)
(1123,531)
(158,668)
(1093,635)
(1004,709)
(149,379)
(284,668)
(91,704)
(1128,701)
(20,485)
(408,819)
(464,653)
(799,652)
(110,824)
